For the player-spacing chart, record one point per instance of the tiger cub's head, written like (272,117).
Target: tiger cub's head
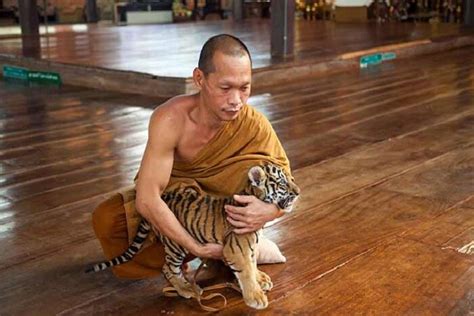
(270,184)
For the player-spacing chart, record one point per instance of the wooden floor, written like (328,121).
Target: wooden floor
(148,48)
(384,157)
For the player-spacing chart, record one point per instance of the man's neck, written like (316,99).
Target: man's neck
(205,119)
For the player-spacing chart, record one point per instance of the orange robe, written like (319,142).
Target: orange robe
(220,168)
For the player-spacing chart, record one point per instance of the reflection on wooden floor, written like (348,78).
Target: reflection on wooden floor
(385,160)
(148,48)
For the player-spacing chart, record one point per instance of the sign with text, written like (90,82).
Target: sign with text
(368,60)
(375,59)
(13,72)
(388,56)
(44,77)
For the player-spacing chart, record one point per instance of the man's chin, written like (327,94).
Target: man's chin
(230,115)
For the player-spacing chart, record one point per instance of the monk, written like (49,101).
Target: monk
(208,140)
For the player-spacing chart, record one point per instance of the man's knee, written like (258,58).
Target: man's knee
(109,219)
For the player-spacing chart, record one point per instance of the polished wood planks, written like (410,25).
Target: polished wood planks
(148,48)
(384,159)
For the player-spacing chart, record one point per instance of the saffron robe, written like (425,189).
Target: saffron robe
(219,169)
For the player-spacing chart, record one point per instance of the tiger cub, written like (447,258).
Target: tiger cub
(204,217)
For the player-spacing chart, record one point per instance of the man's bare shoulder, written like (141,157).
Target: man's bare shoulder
(173,113)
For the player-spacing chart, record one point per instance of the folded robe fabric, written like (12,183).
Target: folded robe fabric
(221,167)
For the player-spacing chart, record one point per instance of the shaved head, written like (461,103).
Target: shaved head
(226,44)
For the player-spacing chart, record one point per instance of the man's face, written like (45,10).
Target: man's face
(226,90)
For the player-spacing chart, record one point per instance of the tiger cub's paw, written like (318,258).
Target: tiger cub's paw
(264,281)
(186,290)
(180,284)
(256,299)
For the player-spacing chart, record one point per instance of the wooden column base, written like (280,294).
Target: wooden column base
(351,14)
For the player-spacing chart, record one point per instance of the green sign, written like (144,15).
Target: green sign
(44,77)
(370,60)
(28,76)
(388,56)
(15,72)
(376,59)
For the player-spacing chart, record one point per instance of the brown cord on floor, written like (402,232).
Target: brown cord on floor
(171,291)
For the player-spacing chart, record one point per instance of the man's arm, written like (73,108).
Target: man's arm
(154,175)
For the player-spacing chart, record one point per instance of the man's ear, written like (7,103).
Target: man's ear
(198,77)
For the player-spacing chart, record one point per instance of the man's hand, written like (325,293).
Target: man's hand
(211,251)
(252,216)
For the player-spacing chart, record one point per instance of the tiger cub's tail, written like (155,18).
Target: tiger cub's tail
(142,233)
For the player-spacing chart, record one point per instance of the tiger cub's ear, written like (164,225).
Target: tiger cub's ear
(257,176)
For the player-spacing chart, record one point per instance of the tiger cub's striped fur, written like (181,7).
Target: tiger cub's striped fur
(204,217)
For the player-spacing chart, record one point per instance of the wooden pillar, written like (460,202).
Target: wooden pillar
(91,11)
(29,21)
(237,10)
(283,28)
(469,12)
(28,17)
